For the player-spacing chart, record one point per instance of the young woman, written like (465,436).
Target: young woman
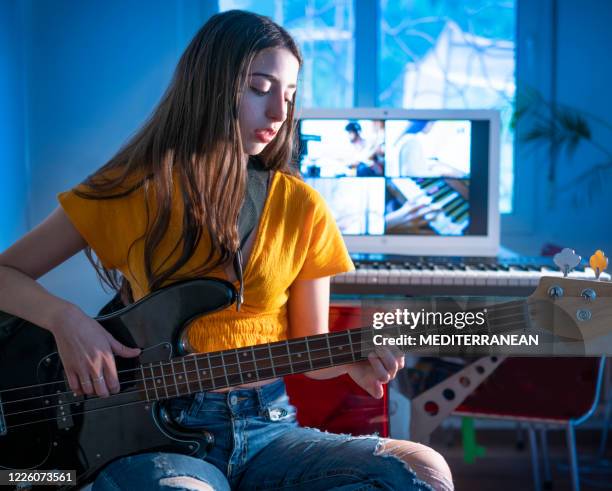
(169,206)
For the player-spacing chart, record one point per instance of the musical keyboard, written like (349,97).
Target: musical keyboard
(443,195)
(415,275)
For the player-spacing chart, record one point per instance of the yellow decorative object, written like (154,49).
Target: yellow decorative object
(598,262)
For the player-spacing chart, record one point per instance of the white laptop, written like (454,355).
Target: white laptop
(410,182)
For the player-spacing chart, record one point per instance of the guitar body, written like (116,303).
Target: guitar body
(85,434)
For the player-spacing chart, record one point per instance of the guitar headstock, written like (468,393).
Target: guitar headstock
(557,289)
(572,308)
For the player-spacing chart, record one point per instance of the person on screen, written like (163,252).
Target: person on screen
(365,156)
(378,146)
(413,160)
(168,207)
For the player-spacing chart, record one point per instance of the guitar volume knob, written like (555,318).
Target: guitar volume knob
(583,315)
(555,291)
(589,294)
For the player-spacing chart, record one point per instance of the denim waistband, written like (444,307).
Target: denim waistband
(241,401)
(262,395)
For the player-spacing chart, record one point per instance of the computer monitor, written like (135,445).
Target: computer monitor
(414,182)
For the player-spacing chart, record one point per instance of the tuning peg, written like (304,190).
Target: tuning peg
(598,262)
(567,260)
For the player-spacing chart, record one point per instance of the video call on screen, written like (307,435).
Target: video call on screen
(391,177)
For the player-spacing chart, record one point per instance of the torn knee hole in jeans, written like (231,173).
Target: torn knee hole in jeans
(426,463)
(391,448)
(185,482)
(277,413)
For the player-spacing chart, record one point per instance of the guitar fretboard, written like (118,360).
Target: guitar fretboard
(211,371)
(229,368)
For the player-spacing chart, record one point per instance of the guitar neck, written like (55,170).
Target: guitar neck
(229,368)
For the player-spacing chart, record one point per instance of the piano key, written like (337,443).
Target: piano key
(361,276)
(383,276)
(373,276)
(440,194)
(458,210)
(438,276)
(394,276)
(341,278)
(449,277)
(463,217)
(349,277)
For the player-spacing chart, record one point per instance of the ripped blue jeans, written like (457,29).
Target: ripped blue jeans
(259,446)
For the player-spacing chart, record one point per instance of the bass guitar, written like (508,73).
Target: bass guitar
(44,425)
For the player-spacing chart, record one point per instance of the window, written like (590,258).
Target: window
(444,54)
(325,32)
(437,54)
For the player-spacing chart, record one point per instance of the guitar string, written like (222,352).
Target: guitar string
(173,362)
(235,352)
(130,392)
(335,334)
(77,414)
(188,383)
(141,402)
(87,411)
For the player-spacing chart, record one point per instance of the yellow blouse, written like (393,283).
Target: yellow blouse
(297,238)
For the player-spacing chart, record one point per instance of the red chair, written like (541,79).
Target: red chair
(338,405)
(557,392)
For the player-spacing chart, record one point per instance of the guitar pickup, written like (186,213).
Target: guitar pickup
(63,412)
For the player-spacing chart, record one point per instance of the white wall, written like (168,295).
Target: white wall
(576,71)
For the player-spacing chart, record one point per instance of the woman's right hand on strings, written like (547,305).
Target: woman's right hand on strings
(85,347)
(87,352)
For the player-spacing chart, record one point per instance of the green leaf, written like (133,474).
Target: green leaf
(538,133)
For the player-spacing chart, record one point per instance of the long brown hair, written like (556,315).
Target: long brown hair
(193,136)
